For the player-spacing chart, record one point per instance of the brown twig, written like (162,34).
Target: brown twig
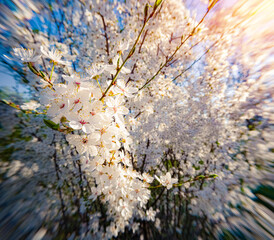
(105,32)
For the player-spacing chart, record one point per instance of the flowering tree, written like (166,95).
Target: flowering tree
(144,121)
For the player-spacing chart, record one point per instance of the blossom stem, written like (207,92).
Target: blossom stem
(124,62)
(174,53)
(131,52)
(52,71)
(99,85)
(197,60)
(39,74)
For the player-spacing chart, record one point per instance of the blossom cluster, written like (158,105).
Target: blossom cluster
(101,138)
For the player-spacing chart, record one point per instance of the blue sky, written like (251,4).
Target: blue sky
(7,80)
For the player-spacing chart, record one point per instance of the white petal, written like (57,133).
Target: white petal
(119,100)
(121,83)
(93,151)
(75,125)
(88,128)
(123,110)
(125,70)
(97,121)
(94,138)
(111,69)
(132,90)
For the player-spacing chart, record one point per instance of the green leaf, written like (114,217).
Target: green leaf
(251,127)
(157,3)
(51,124)
(146,11)
(42,74)
(213,175)
(169,164)
(5,101)
(63,119)
(25,80)
(50,7)
(201,162)
(96,77)
(182,38)
(196,167)
(131,52)
(32,68)
(35,30)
